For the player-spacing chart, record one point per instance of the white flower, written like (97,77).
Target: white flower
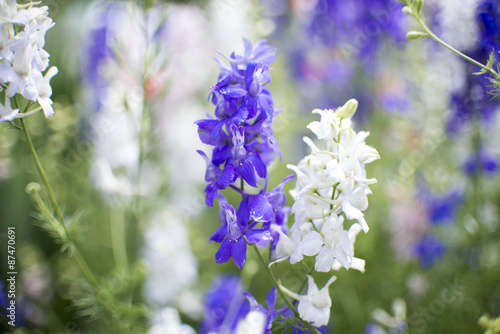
(167,253)
(167,321)
(45,91)
(253,323)
(333,243)
(22,58)
(315,305)
(333,181)
(6,112)
(289,247)
(398,321)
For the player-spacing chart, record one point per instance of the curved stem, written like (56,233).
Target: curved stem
(452,49)
(60,217)
(280,291)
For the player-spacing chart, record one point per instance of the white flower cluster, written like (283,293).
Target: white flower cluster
(22,57)
(331,188)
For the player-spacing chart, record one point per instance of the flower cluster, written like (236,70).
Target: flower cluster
(361,25)
(22,57)
(331,187)
(243,141)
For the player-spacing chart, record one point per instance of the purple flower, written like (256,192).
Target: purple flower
(270,311)
(429,249)
(361,26)
(236,230)
(241,131)
(481,162)
(442,209)
(4,302)
(224,305)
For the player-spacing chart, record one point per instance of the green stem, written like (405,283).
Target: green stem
(60,217)
(118,238)
(452,49)
(282,294)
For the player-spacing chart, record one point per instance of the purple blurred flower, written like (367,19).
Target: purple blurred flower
(98,51)
(225,305)
(443,209)
(429,249)
(482,162)
(360,26)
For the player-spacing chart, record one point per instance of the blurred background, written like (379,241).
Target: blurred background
(120,153)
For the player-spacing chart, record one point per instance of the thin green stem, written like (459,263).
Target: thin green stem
(452,49)
(118,238)
(280,291)
(60,217)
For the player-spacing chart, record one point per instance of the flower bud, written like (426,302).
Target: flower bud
(33,187)
(407,10)
(348,109)
(416,34)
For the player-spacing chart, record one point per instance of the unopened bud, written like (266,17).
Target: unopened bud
(407,10)
(416,34)
(33,187)
(348,109)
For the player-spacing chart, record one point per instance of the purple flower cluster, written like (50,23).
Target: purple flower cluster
(360,25)
(242,136)
(332,51)
(225,305)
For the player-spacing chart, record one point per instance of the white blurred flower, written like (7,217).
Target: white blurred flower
(315,305)
(171,263)
(167,321)
(396,321)
(253,323)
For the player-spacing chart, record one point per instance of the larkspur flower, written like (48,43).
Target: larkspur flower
(242,136)
(240,132)
(22,57)
(253,323)
(429,249)
(315,305)
(330,182)
(443,209)
(225,306)
(396,323)
(168,321)
(270,312)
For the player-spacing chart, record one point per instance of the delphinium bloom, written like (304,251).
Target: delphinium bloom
(168,321)
(429,249)
(331,191)
(332,187)
(360,26)
(244,146)
(332,49)
(124,69)
(225,306)
(395,324)
(22,57)
(169,259)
